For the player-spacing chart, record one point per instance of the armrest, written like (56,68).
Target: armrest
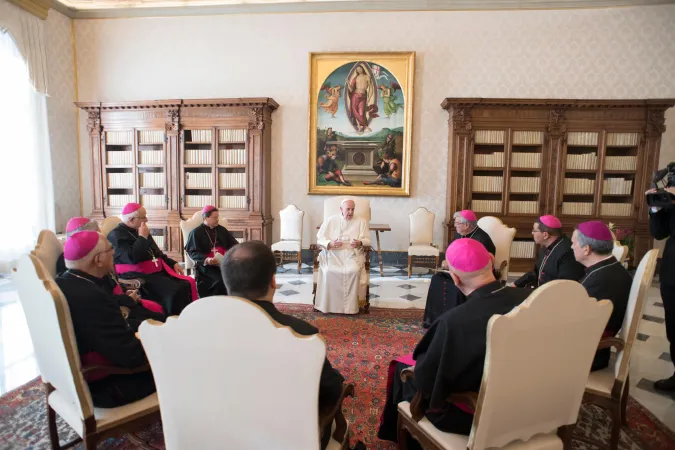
(611,341)
(131,283)
(469,399)
(334,413)
(419,403)
(408,374)
(500,270)
(114,370)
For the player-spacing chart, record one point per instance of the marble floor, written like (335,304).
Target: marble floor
(650,361)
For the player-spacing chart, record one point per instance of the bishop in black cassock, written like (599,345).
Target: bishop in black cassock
(451,355)
(206,246)
(605,278)
(555,260)
(443,295)
(137,256)
(104,324)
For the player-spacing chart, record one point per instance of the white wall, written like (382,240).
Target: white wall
(610,53)
(61,118)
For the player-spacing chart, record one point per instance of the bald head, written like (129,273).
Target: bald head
(347,208)
(248,271)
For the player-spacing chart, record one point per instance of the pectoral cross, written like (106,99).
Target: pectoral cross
(154,260)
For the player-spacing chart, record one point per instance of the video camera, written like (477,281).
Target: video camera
(662,198)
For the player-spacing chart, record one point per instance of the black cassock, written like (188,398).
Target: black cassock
(555,262)
(330,383)
(172,293)
(608,279)
(443,295)
(199,245)
(662,226)
(101,328)
(450,359)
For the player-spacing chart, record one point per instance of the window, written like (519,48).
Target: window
(26,189)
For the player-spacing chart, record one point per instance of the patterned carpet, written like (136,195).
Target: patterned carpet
(360,347)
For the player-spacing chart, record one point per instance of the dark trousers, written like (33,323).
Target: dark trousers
(119,390)
(451,420)
(209,281)
(668,299)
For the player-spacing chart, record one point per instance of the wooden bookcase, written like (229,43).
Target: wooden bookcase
(577,159)
(175,156)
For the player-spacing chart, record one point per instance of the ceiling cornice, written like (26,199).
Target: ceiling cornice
(345,6)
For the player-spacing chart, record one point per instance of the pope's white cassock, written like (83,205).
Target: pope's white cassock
(342,273)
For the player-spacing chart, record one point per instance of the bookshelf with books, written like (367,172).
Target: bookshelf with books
(577,159)
(175,156)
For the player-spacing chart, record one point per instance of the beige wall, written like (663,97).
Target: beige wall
(610,53)
(61,118)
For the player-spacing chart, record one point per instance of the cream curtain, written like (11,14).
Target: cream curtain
(26,188)
(29,36)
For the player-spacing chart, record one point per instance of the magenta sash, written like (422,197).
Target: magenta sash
(149,267)
(147,304)
(219,249)
(408,359)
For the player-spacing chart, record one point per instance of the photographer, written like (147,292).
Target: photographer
(662,226)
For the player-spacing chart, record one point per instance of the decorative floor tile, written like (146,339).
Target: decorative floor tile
(653,318)
(410,297)
(372,296)
(665,357)
(642,337)
(406,286)
(648,385)
(289,292)
(373,285)
(659,304)
(296,282)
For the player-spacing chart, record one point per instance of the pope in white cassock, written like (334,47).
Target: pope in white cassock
(342,272)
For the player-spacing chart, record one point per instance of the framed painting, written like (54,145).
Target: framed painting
(360,123)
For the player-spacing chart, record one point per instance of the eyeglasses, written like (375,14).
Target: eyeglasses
(108,250)
(536,231)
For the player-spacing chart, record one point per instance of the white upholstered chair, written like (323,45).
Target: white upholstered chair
(232,352)
(331,206)
(620,252)
(108,224)
(291,234)
(421,239)
(502,236)
(553,337)
(51,331)
(608,388)
(48,250)
(186,226)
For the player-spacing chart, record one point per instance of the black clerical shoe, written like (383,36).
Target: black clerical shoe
(667,384)
(426,324)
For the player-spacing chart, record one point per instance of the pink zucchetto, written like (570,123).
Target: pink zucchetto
(550,221)
(596,230)
(77,224)
(207,209)
(468,215)
(80,245)
(467,255)
(130,208)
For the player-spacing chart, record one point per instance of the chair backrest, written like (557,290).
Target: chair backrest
(537,364)
(620,252)
(361,207)
(421,227)
(51,330)
(502,236)
(636,301)
(108,224)
(291,223)
(48,250)
(230,350)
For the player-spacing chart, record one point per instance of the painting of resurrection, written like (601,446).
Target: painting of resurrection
(360,123)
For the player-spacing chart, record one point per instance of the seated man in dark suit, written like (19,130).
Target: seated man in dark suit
(248,271)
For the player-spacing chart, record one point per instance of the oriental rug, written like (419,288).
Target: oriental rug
(360,347)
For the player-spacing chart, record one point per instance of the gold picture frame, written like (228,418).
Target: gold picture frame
(360,123)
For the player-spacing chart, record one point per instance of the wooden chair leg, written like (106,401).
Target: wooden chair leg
(436,265)
(53,432)
(409,266)
(624,401)
(90,442)
(616,426)
(299,261)
(565,434)
(402,434)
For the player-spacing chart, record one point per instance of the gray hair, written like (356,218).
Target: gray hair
(127,217)
(89,226)
(596,245)
(462,219)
